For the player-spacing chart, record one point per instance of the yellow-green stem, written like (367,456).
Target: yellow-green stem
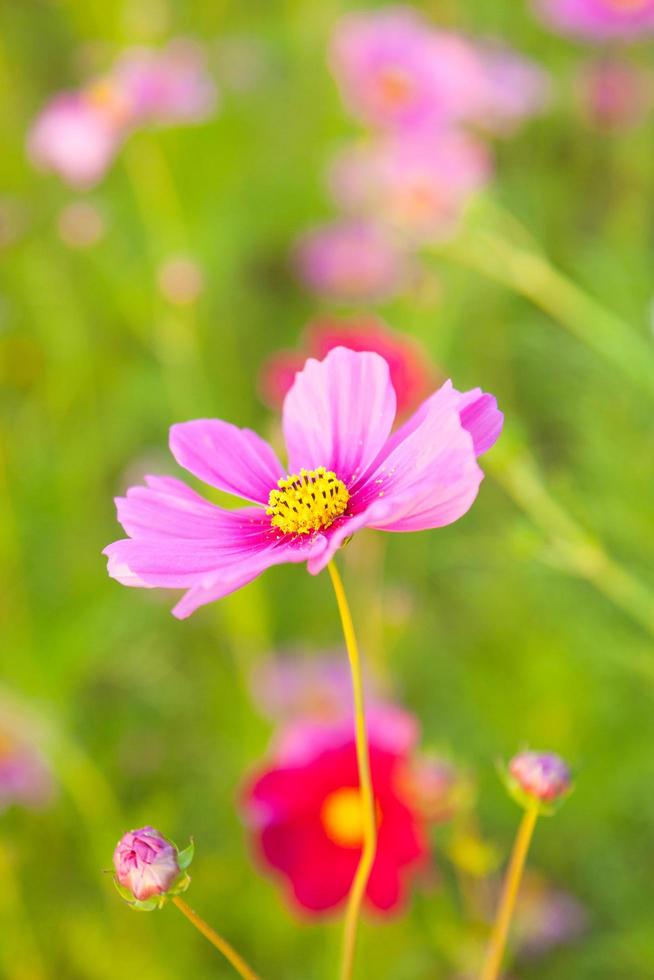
(216,940)
(369,847)
(497,943)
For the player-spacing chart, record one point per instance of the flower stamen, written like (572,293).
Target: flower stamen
(307,501)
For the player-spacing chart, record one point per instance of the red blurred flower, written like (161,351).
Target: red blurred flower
(305,815)
(412,375)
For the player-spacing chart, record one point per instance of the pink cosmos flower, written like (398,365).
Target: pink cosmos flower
(515,89)
(350,261)
(412,375)
(418,185)
(166,86)
(305,816)
(25,779)
(614,94)
(74,137)
(345,471)
(146,863)
(599,20)
(395,71)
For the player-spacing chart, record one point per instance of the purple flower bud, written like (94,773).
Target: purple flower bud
(541,776)
(146,863)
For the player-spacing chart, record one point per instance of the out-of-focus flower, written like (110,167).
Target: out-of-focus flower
(306,818)
(412,374)
(287,688)
(395,71)
(515,88)
(416,185)
(599,20)
(345,472)
(614,94)
(541,776)
(180,280)
(546,917)
(148,867)
(25,778)
(165,86)
(351,261)
(434,786)
(75,138)
(80,224)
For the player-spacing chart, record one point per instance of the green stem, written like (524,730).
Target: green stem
(499,935)
(369,848)
(520,266)
(216,940)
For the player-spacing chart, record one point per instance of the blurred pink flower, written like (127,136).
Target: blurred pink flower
(165,86)
(540,776)
(351,261)
(304,813)
(599,20)
(25,779)
(515,89)
(74,137)
(614,94)
(80,224)
(180,280)
(287,688)
(346,471)
(546,917)
(412,373)
(394,70)
(416,184)
(146,863)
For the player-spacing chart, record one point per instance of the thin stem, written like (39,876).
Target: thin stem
(221,944)
(497,944)
(503,250)
(369,847)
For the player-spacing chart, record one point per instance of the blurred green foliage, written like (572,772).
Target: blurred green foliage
(148,719)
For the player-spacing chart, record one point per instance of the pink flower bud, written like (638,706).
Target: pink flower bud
(541,776)
(146,863)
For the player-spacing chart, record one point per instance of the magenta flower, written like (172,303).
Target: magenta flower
(395,71)
(599,20)
(74,137)
(515,89)
(165,86)
(418,185)
(146,863)
(351,261)
(305,816)
(345,471)
(25,779)
(541,776)
(412,375)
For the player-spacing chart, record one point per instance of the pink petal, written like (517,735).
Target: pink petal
(339,412)
(427,473)
(482,418)
(181,541)
(224,456)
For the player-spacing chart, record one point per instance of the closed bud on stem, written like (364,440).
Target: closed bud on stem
(540,777)
(150,869)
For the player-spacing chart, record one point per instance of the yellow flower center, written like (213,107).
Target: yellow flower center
(307,501)
(395,88)
(342,817)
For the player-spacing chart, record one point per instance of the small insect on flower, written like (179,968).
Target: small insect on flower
(599,20)
(149,868)
(345,471)
(540,776)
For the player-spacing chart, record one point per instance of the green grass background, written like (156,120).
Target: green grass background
(505,644)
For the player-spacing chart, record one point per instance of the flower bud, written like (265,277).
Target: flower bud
(541,776)
(149,867)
